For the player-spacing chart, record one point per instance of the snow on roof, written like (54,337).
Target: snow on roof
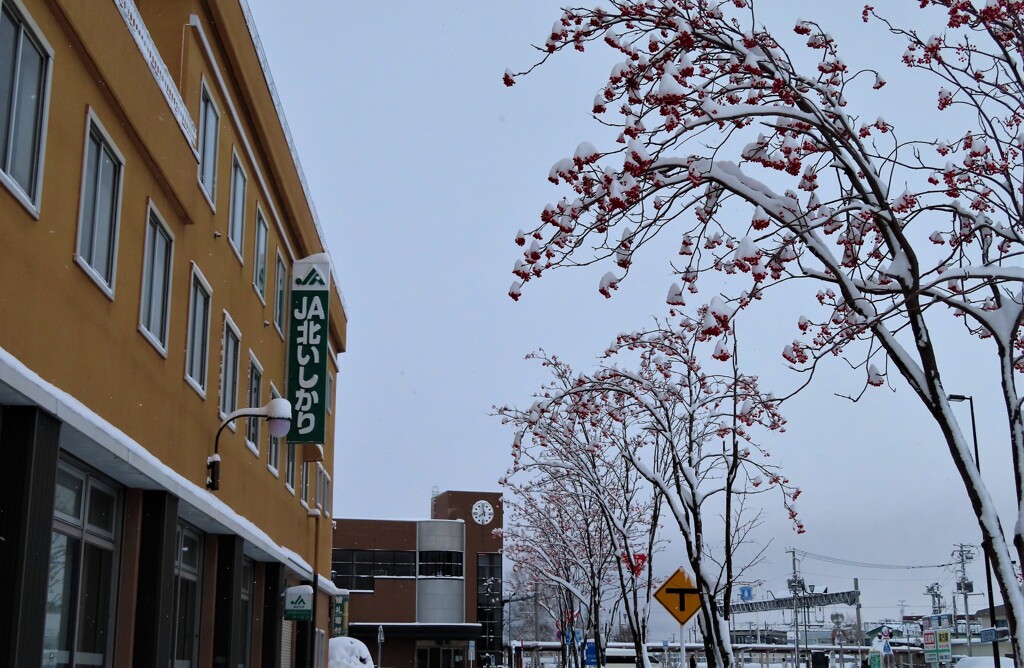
(265,66)
(119,445)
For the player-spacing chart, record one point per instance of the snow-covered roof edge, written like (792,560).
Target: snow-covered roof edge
(396,519)
(74,413)
(265,66)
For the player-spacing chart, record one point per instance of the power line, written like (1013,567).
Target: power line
(864,564)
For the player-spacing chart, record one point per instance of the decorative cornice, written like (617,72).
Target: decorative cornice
(161,74)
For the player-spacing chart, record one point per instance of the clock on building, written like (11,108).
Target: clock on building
(482,512)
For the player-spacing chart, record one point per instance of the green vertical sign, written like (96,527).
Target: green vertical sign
(307,348)
(339,616)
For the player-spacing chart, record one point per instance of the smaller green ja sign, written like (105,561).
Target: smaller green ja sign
(298,603)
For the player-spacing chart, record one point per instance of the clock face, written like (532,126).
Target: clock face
(482,512)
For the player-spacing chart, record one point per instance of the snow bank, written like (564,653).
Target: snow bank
(347,652)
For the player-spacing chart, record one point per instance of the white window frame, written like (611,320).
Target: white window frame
(327,494)
(236,215)
(205,95)
(229,326)
(31,201)
(274,443)
(199,385)
(318,496)
(261,225)
(289,476)
(303,482)
(253,423)
(153,214)
(280,294)
(330,393)
(93,123)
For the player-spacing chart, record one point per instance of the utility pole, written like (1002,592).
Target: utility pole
(963,555)
(796,587)
(938,605)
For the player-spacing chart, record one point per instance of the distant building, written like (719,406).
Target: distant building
(151,213)
(432,586)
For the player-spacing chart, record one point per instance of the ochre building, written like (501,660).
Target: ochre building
(151,212)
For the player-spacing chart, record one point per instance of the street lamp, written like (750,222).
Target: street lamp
(277,412)
(985,548)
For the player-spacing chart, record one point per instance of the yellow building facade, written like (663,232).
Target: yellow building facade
(151,211)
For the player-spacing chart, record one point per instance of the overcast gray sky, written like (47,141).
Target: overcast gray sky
(423,166)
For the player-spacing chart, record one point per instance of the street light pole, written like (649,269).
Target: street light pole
(984,546)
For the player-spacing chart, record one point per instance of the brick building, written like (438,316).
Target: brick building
(433,586)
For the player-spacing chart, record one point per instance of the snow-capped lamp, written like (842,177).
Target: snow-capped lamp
(278,414)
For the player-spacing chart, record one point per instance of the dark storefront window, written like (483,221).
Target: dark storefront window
(488,607)
(440,657)
(81,574)
(355,569)
(437,563)
(187,571)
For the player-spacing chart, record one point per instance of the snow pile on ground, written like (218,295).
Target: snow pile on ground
(347,652)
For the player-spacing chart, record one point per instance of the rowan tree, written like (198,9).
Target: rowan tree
(651,408)
(761,156)
(558,543)
(570,456)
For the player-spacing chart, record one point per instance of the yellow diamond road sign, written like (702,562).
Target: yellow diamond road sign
(679,596)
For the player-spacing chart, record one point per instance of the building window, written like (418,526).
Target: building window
(319,486)
(330,392)
(156,281)
(99,210)
(289,468)
(82,579)
(185,621)
(304,483)
(438,563)
(245,616)
(259,272)
(24,81)
(252,428)
(209,133)
(229,367)
(236,213)
(281,279)
(274,443)
(197,350)
(327,494)
(356,569)
(488,605)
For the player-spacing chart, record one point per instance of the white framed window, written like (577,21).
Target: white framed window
(259,270)
(99,209)
(209,136)
(280,294)
(327,494)
(330,392)
(155,307)
(274,443)
(304,483)
(319,486)
(289,467)
(25,69)
(236,210)
(230,345)
(197,351)
(252,427)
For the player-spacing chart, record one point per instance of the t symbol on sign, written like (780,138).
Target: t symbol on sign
(681,592)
